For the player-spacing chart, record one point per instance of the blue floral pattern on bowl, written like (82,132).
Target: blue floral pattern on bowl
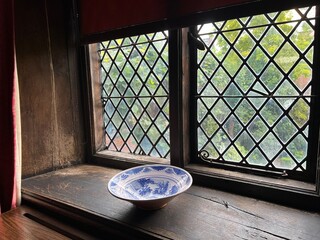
(150,186)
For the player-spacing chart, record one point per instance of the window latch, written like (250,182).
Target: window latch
(196,41)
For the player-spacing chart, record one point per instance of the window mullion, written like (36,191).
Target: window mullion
(175,98)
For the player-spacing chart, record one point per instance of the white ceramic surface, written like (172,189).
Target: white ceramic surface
(150,186)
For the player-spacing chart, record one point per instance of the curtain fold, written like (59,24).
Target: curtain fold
(9,159)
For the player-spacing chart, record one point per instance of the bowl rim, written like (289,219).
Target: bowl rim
(154,199)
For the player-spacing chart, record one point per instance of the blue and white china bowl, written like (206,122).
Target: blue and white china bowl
(150,186)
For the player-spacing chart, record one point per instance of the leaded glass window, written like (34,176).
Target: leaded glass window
(255,90)
(135,90)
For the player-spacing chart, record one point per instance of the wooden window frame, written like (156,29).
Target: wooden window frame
(288,192)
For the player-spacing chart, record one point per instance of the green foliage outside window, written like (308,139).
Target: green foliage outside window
(254,79)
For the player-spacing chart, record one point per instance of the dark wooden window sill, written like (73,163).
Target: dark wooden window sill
(80,194)
(274,181)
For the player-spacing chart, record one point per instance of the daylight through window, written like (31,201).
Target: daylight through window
(254,90)
(135,90)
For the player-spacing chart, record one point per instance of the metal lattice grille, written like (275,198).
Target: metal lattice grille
(134,76)
(254,83)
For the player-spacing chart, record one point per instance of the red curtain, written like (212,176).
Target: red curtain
(7,107)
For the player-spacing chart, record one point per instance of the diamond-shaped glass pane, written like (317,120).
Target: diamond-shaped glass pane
(120,60)
(270,146)
(124,131)
(111,130)
(160,69)
(271,77)
(284,161)
(303,37)
(231,28)
(113,73)
(244,44)
(233,94)
(153,134)
(135,88)
(146,146)
(221,79)
(151,56)
(145,121)
(132,143)
(271,112)
(152,84)
(298,148)
(286,57)
(232,62)
(245,112)
(131,120)
(109,108)
(272,41)
(221,141)
(220,47)
(244,79)
(232,127)
(258,60)
(209,91)
(286,89)
(138,132)
(137,109)
(258,20)
(163,147)
(220,111)
(209,64)
(257,32)
(244,143)
(255,23)
(257,158)
(287,15)
(122,108)
(285,129)
(153,109)
(232,155)
(257,128)
(209,101)
(287,28)
(136,84)
(135,58)
(301,75)
(143,70)
(162,122)
(300,112)
(209,125)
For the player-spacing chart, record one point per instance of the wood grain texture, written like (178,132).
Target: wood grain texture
(52,134)
(15,225)
(200,213)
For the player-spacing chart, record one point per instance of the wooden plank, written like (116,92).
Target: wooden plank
(200,213)
(15,225)
(52,135)
(68,141)
(34,73)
